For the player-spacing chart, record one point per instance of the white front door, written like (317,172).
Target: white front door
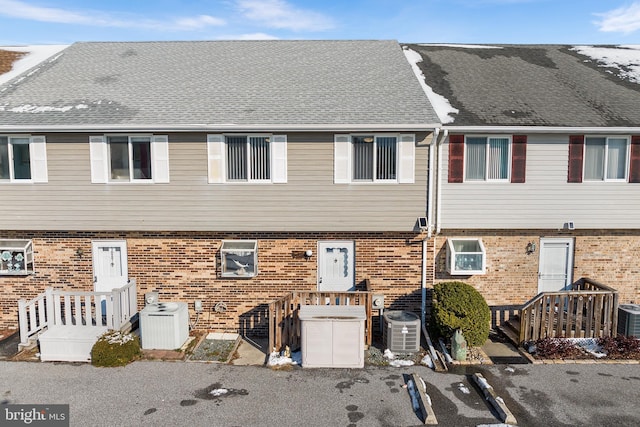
(109,265)
(556,264)
(336,266)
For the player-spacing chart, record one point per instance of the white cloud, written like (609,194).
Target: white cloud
(252,36)
(282,15)
(22,10)
(621,20)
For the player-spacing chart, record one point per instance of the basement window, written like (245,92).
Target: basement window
(239,258)
(16,257)
(465,256)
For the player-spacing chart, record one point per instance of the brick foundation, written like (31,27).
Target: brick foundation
(182,266)
(609,257)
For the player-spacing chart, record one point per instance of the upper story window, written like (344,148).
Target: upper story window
(129,158)
(23,159)
(495,158)
(247,158)
(606,158)
(374,158)
(487,158)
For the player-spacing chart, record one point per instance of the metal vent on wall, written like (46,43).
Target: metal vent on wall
(629,319)
(401,331)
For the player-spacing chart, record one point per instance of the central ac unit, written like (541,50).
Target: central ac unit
(401,331)
(164,326)
(629,319)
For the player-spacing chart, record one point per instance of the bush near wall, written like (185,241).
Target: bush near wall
(114,348)
(458,305)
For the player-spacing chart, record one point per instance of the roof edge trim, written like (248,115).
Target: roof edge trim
(544,129)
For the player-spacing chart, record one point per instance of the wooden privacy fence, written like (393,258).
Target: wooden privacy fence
(284,321)
(588,310)
(56,307)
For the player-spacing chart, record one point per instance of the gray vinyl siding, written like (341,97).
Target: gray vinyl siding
(309,201)
(545,200)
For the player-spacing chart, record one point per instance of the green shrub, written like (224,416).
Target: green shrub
(114,348)
(458,305)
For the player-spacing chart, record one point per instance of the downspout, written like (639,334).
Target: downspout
(434,149)
(430,187)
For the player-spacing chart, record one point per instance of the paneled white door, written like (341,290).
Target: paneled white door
(336,266)
(555,271)
(109,265)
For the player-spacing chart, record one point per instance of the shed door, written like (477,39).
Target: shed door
(109,265)
(556,264)
(336,266)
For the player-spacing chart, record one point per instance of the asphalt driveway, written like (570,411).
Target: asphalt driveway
(199,394)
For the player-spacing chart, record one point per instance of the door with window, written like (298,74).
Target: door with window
(109,265)
(336,266)
(556,264)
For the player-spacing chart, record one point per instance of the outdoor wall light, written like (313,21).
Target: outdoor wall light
(308,253)
(531,248)
(80,252)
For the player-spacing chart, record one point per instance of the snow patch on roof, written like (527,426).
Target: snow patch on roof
(625,59)
(28,108)
(34,56)
(440,104)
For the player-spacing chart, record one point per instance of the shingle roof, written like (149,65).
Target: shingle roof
(225,83)
(529,85)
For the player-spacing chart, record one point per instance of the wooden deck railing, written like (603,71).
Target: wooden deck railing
(56,307)
(284,321)
(588,310)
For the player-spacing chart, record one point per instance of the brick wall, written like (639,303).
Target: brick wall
(609,257)
(182,266)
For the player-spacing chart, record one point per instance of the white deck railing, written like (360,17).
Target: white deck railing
(56,307)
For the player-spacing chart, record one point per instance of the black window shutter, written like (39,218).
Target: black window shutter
(634,160)
(456,158)
(519,159)
(576,149)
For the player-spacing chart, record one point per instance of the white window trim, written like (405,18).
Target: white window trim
(486,160)
(343,159)
(19,245)
(606,158)
(37,160)
(234,275)
(101,166)
(451,262)
(217,158)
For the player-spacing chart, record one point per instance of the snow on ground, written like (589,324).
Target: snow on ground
(34,56)
(396,363)
(440,104)
(625,59)
(279,359)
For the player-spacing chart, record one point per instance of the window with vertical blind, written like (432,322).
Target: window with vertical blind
(487,158)
(258,158)
(374,158)
(248,158)
(23,159)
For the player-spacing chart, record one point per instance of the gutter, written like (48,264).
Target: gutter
(225,127)
(543,129)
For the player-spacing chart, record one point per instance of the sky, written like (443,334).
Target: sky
(418,21)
